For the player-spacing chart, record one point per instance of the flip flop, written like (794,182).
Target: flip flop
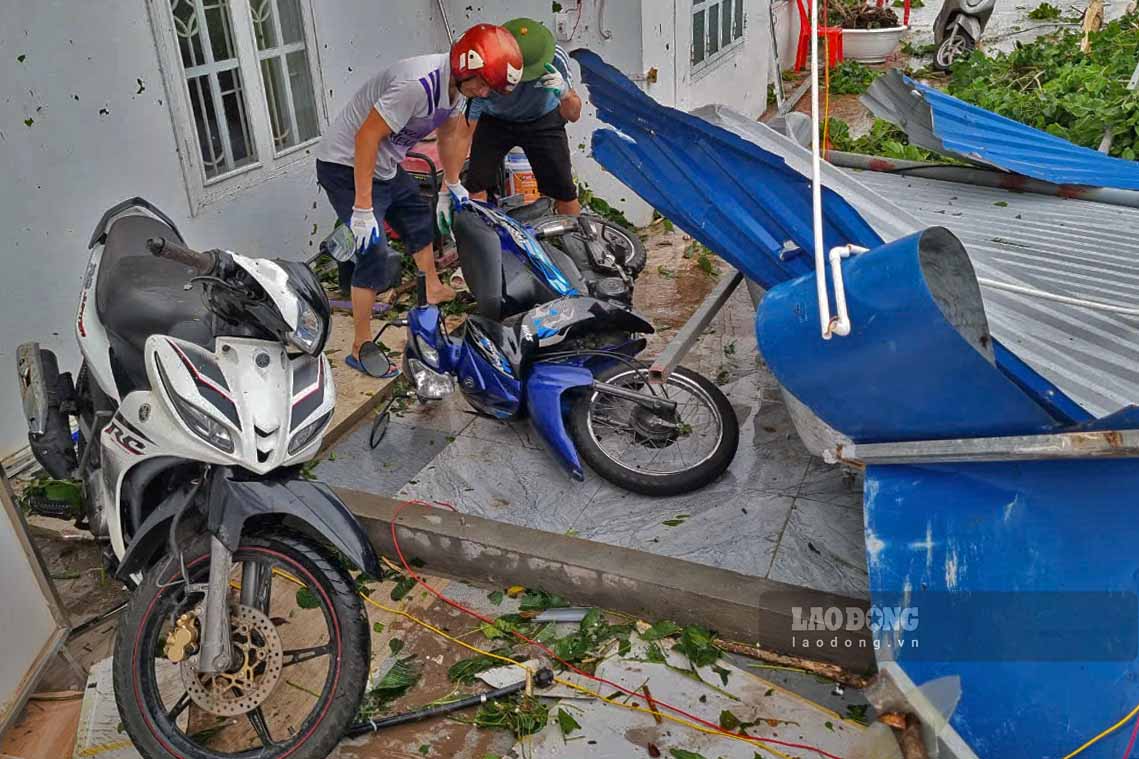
(458,282)
(354,363)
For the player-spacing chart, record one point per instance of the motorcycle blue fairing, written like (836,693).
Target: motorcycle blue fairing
(544,389)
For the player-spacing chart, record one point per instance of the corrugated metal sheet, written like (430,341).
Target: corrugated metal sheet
(743,202)
(942,123)
(1075,248)
(1069,247)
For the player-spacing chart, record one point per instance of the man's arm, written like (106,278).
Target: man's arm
(455,136)
(570,106)
(372,132)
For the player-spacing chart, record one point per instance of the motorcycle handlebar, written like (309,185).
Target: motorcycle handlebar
(203,263)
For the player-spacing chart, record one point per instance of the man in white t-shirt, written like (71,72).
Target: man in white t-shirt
(358,161)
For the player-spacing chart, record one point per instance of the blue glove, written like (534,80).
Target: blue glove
(365,229)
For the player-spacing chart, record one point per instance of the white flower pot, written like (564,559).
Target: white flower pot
(870,45)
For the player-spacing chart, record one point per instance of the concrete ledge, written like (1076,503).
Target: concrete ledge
(746,609)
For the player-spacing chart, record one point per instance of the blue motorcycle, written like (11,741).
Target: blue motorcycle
(555,339)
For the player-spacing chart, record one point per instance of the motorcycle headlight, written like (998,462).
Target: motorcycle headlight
(309,333)
(307,434)
(202,424)
(429,354)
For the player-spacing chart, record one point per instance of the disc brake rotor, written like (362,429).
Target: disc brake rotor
(257,662)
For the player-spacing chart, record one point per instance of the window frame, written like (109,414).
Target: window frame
(725,51)
(200,189)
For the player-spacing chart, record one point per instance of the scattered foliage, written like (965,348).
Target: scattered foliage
(524,716)
(398,680)
(851,78)
(1051,85)
(1044,12)
(466,671)
(883,139)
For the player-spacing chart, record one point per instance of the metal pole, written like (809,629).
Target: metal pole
(983,178)
(446,23)
(1108,137)
(682,341)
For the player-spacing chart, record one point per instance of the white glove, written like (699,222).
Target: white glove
(450,196)
(365,229)
(553,81)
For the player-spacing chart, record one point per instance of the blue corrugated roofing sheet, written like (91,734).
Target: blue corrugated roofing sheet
(944,124)
(743,202)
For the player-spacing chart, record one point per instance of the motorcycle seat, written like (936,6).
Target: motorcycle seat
(139,295)
(533,211)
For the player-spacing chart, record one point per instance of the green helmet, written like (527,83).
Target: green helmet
(537,43)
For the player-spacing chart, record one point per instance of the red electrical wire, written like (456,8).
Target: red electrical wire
(656,701)
(1131,743)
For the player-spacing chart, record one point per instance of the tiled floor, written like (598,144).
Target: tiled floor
(777,512)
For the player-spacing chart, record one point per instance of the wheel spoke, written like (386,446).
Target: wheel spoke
(257,719)
(301,655)
(179,707)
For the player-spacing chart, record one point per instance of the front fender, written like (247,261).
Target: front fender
(544,389)
(231,503)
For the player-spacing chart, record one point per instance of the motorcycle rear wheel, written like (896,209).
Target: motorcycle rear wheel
(329,677)
(630,446)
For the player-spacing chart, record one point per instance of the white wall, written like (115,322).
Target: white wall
(73,162)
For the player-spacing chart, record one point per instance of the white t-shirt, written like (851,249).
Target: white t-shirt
(413,97)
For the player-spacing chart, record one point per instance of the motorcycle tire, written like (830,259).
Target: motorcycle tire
(140,645)
(638,480)
(944,57)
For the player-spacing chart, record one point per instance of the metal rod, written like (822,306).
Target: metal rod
(983,178)
(446,23)
(1108,134)
(1066,445)
(649,401)
(682,341)
(542,679)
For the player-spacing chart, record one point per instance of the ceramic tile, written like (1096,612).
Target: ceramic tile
(724,528)
(830,483)
(497,431)
(403,452)
(450,415)
(823,548)
(510,483)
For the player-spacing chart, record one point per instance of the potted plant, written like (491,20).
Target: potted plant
(870,33)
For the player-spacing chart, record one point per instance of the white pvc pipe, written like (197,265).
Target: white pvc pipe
(816,182)
(1095,305)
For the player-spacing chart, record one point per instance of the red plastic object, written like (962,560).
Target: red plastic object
(905,11)
(832,35)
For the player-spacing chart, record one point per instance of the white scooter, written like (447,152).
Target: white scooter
(203,388)
(958,29)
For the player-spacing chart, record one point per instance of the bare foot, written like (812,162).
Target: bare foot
(440,294)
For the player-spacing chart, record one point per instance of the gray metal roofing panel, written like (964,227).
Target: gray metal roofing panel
(1075,248)
(943,123)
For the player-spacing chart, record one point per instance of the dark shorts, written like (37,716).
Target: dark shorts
(547,150)
(397,201)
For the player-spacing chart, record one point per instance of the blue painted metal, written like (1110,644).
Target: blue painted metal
(544,389)
(1023,528)
(943,123)
(520,241)
(741,201)
(903,358)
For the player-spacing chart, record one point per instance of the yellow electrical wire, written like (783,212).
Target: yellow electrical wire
(755,742)
(1105,733)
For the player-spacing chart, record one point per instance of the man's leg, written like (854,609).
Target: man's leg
(410,215)
(547,149)
(339,184)
(491,142)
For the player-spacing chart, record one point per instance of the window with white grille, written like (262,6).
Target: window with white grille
(717,29)
(244,87)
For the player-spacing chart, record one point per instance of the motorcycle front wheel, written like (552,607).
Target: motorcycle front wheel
(954,47)
(650,452)
(300,666)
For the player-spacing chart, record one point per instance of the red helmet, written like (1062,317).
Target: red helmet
(488,51)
